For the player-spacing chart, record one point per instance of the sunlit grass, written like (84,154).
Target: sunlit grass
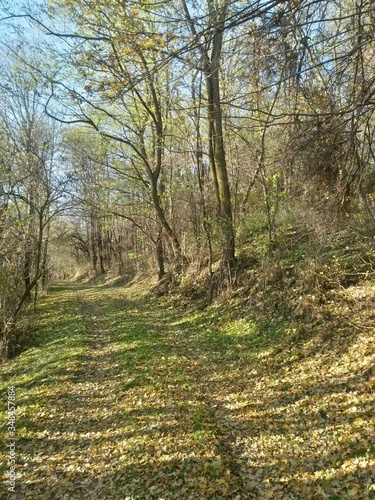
(118,387)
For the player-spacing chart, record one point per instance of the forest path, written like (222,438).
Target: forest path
(141,365)
(122,410)
(122,395)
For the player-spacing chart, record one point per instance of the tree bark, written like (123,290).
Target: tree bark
(160,255)
(221,180)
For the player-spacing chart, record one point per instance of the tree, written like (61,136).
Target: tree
(30,194)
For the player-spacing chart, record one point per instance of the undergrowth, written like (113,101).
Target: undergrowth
(265,393)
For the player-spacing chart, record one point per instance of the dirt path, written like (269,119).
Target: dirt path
(130,416)
(126,398)
(182,447)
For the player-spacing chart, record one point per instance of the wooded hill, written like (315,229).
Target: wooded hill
(231,142)
(187,224)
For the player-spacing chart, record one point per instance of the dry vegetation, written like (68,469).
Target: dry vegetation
(267,393)
(227,148)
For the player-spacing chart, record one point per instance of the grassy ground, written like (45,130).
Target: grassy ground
(124,395)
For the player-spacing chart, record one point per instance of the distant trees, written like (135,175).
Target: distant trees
(259,101)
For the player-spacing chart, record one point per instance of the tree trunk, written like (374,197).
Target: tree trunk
(160,255)
(221,181)
(218,167)
(176,247)
(27,273)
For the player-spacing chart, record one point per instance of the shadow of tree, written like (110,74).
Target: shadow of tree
(156,409)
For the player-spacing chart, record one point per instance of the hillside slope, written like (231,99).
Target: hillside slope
(122,394)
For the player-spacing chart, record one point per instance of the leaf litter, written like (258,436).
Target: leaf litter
(124,395)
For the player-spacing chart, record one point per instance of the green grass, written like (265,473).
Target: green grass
(53,348)
(135,396)
(49,359)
